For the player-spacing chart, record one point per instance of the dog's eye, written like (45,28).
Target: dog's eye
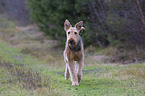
(68,32)
(75,32)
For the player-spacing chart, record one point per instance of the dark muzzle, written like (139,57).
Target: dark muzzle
(75,48)
(71,41)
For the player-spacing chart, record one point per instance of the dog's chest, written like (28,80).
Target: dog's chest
(76,56)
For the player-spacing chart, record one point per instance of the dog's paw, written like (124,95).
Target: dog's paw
(75,84)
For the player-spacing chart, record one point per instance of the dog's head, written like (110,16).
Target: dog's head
(73,33)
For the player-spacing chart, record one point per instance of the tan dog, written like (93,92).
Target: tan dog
(74,52)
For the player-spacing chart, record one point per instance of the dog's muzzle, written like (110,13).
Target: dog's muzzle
(71,42)
(75,47)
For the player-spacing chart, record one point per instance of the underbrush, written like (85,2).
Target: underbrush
(125,54)
(26,76)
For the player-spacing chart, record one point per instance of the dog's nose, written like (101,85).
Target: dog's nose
(71,41)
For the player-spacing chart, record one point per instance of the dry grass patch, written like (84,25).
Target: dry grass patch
(137,72)
(125,55)
(26,77)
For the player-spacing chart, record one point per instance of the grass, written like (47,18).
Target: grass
(34,67)
(24,69)
(9,86)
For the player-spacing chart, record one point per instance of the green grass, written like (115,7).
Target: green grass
(9,85)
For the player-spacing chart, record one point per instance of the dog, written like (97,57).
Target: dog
(74,52)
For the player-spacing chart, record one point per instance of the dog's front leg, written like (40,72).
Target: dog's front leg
(67,72)
(73,75)
(79,69)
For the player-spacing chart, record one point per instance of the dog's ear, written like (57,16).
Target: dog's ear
(67,25)
(79,25)
(81,30)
